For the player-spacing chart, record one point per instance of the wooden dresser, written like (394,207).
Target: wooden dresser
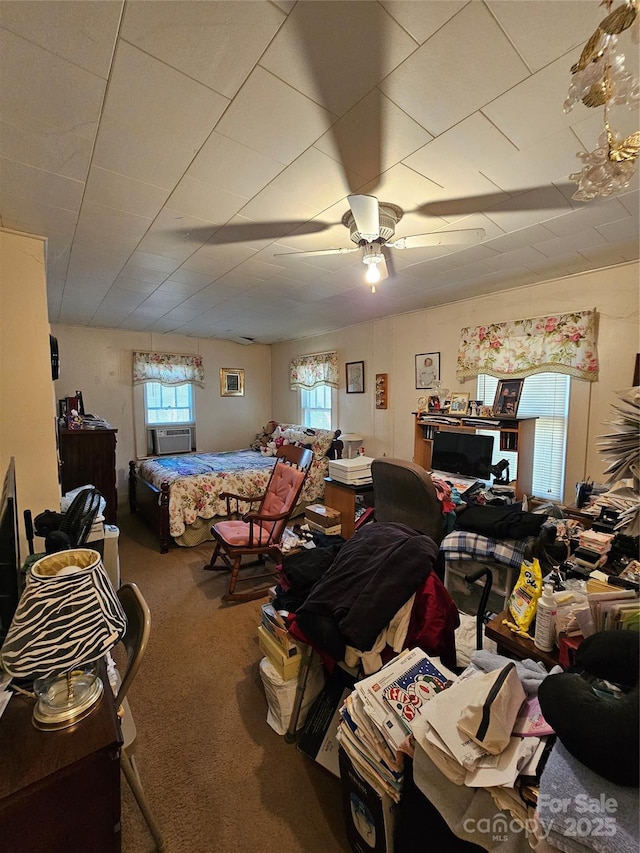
(60,790)
(88,456)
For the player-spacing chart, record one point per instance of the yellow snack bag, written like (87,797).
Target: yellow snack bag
(523,600)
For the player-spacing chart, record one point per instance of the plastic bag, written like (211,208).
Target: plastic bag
(523,600)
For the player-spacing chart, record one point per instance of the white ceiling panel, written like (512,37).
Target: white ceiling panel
(215,43)
(170,152)
(457,71)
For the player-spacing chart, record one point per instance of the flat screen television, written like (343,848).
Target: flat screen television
(9,551)
(462,453)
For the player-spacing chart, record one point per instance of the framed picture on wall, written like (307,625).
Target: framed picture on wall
(355,377)
(231,382)
(427,369)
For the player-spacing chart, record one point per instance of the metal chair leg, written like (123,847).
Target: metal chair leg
(131,774)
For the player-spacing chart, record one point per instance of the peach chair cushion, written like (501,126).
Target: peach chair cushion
(283,490)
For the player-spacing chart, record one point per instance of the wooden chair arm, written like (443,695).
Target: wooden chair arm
(229,497)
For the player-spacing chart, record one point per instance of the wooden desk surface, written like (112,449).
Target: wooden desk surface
(30,755)
(519,647)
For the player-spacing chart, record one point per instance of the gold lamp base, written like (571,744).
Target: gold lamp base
(64,701)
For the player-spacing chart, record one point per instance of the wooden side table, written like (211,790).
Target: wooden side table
(512,645)
(60,790)
(342,496)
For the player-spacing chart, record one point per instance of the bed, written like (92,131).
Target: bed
(179,496)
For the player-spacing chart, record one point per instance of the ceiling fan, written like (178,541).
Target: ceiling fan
(372,225)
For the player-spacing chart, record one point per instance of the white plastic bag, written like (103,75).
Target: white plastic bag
(281,694)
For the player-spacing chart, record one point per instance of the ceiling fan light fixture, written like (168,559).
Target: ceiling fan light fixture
(372,276)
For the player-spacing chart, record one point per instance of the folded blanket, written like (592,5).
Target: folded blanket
(463,545)
(579,810)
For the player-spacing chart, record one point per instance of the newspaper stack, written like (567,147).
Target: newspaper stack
(378,717)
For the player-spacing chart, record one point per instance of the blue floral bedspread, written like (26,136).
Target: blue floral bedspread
(197,479)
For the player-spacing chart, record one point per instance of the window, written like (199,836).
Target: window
(316,407)
(545,396)
(171,404)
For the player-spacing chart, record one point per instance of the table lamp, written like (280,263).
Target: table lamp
(67,618)
(348,438)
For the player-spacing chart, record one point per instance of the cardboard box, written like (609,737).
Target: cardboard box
(286,667)
(356,471)
(325,516)
(369,815)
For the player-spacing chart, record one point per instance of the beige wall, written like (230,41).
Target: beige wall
(390,345)
(98,362)
(27,423)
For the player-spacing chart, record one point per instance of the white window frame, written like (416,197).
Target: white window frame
(306,411)
(177,421)
(545,397)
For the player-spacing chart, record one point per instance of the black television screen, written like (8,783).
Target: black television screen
(9,551)
(462,453)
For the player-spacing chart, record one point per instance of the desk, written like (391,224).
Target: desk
(511,644)
(60,790)
(342,496)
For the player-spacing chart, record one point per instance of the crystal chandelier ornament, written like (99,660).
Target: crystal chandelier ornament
(600,79)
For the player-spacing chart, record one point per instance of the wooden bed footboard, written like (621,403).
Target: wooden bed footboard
(151,504)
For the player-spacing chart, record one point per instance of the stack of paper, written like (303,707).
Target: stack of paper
(615,611)
(377,719)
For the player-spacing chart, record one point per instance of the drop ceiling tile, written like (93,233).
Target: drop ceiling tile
(33,217)
(151,130)
(83,33)
(547,161)
(631,201)
(524,257)
(233,167)
(273,119)
(215,43)
(621,230)
(421,19)
(561,246)
(528,209)
(322,40)
(45,146)
(176,235)
(372,136)
(533,110)
(596,212)
(123,284)
(40,87)
(193,280)
(272,205)
(518,239)
(228,254)
(541,36)
(98,225)
(465,65)
(204,201)
(119,192)
(17,179)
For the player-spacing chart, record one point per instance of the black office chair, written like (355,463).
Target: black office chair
(404,493)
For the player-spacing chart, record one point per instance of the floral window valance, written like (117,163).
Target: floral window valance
(309,371)
(168,369)
(560,343)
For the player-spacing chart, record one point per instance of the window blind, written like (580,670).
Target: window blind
(546,397)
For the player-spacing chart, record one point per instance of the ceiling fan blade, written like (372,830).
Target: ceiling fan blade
(466,236)
(366,214)
(315,252)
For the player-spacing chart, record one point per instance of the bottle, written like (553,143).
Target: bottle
(545,620)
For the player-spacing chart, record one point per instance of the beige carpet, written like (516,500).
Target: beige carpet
(217,776)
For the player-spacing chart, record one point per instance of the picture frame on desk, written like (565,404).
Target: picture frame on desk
(507,397)
(459,404)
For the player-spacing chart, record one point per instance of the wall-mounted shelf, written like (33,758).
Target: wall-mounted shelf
(515,434)
(381,391)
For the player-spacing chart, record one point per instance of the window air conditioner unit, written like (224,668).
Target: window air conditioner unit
(171,440)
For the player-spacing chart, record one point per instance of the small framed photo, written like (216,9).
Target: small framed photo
(507,397)
(459,403)
(355,377)
(427,369)
(434,404)
(485,412)
(231,382)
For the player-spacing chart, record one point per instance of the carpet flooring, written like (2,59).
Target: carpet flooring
(217,776)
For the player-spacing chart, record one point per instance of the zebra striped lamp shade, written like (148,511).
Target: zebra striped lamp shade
(67,616)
